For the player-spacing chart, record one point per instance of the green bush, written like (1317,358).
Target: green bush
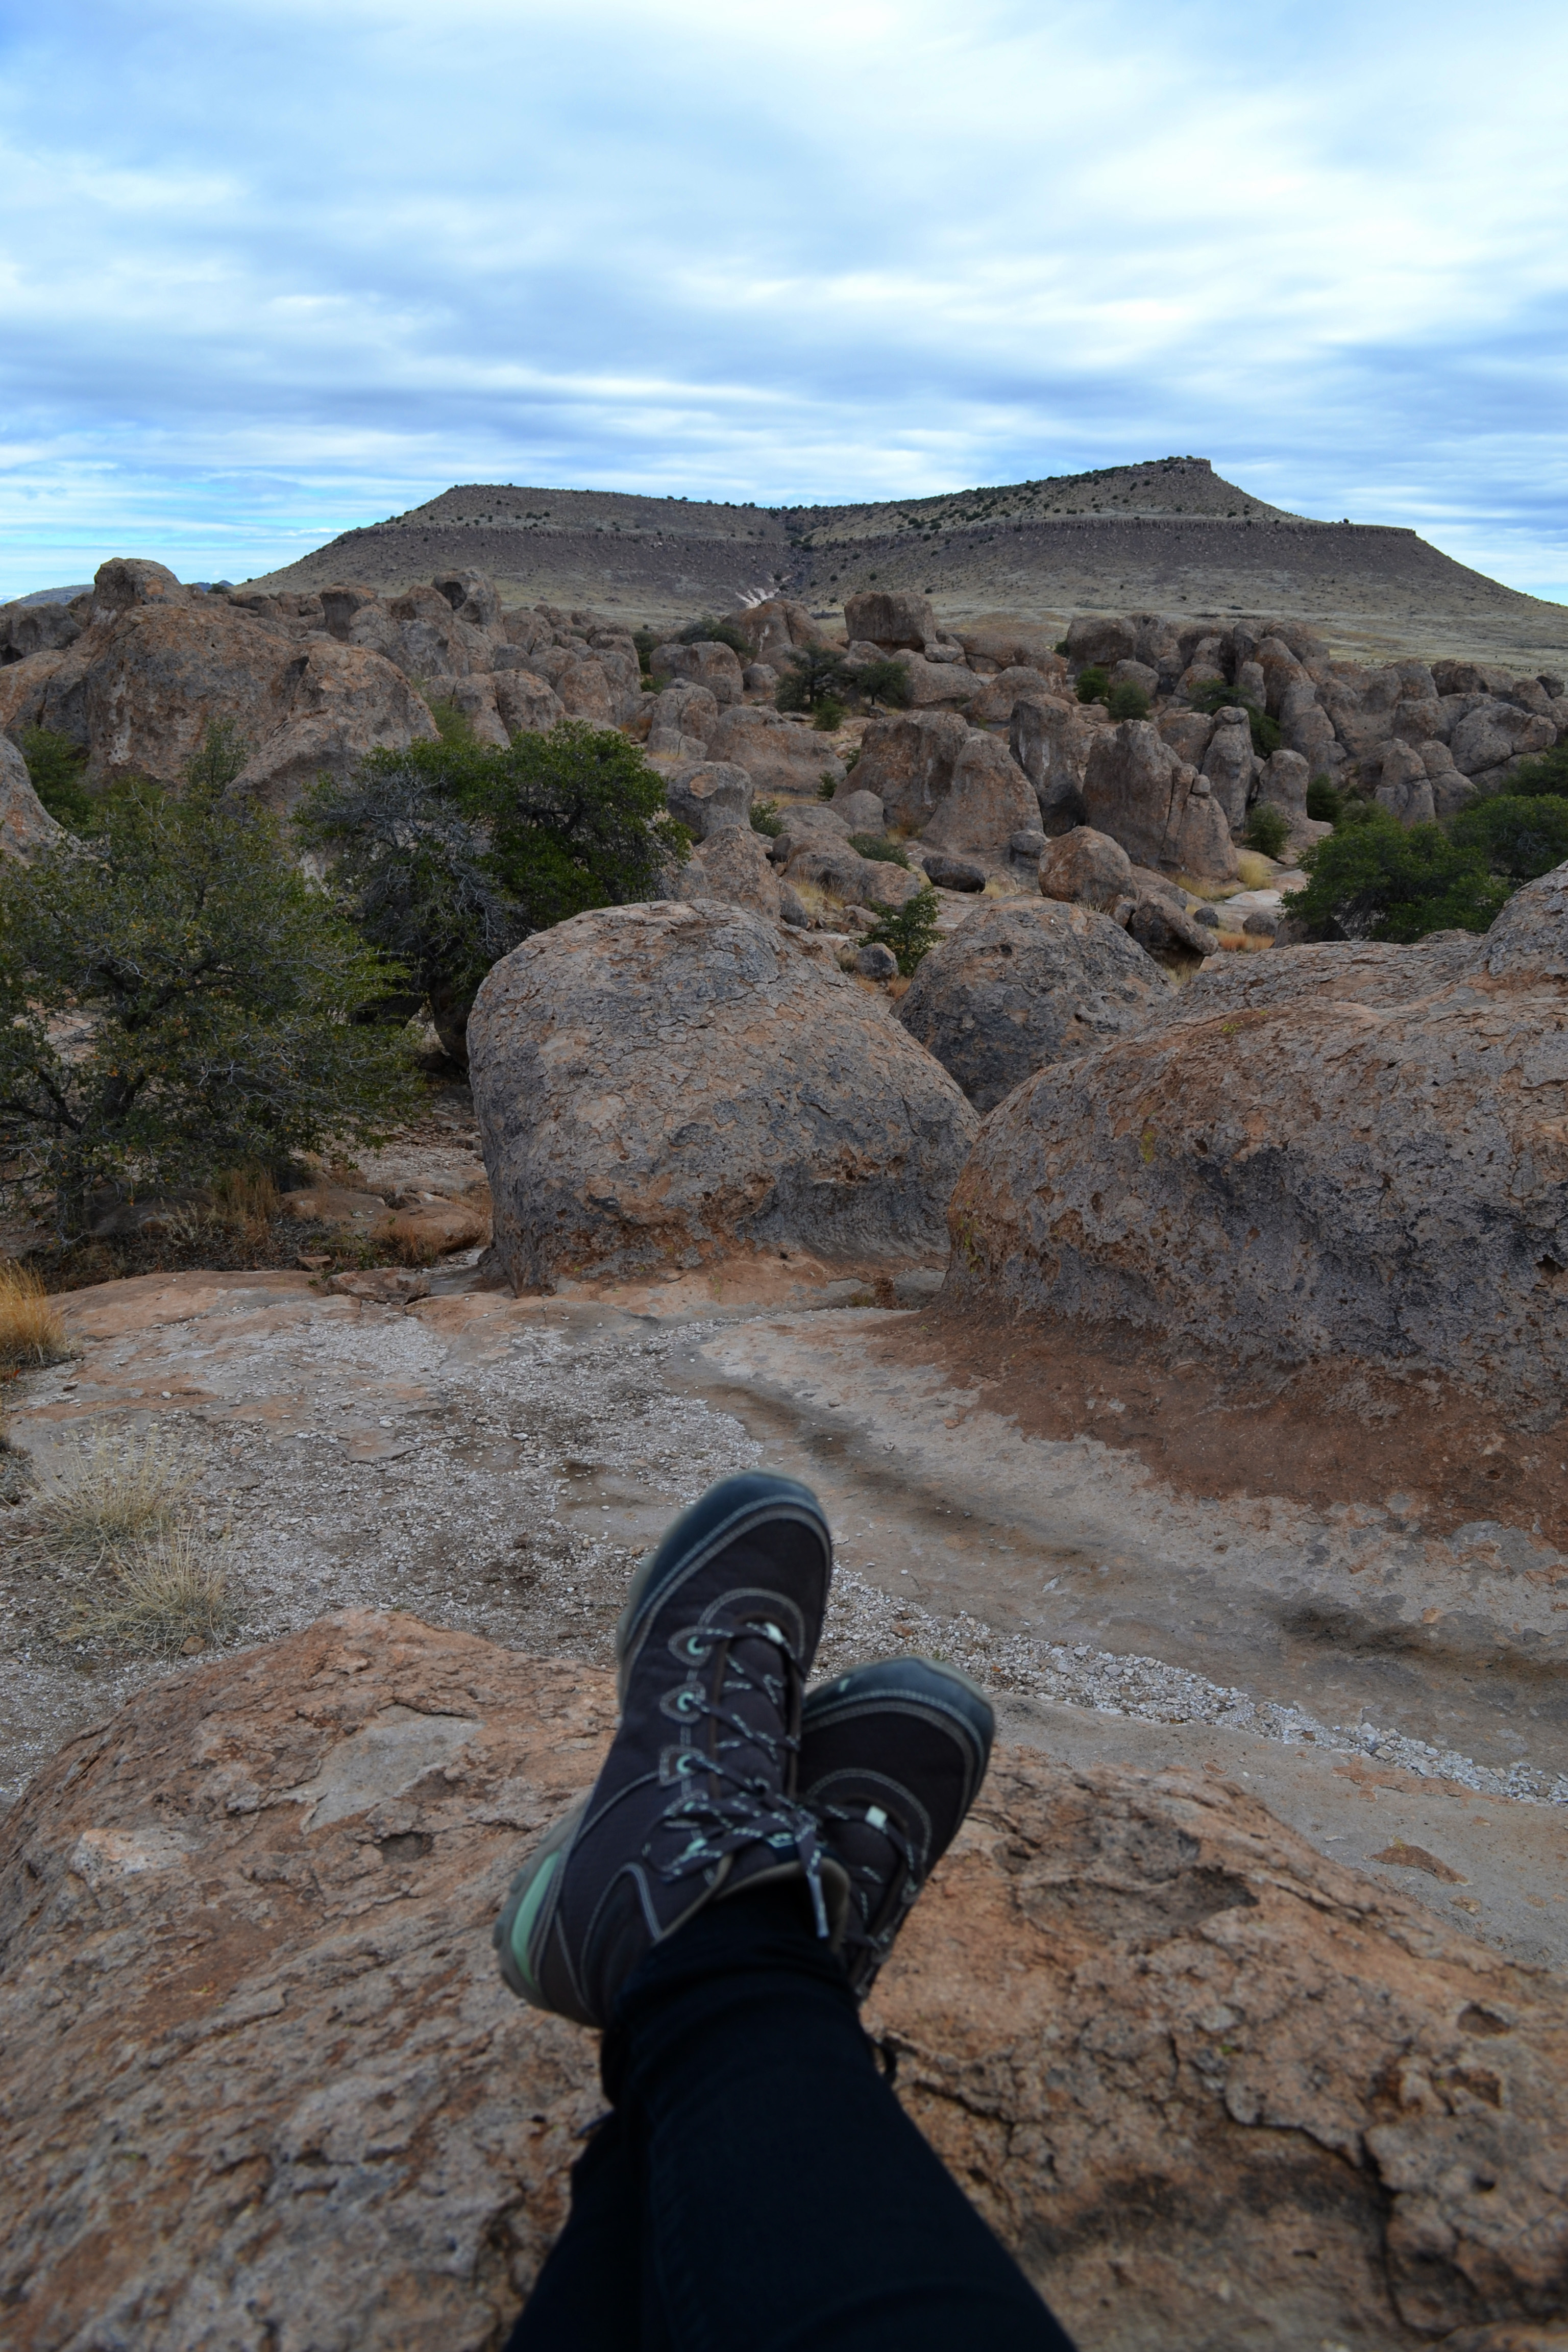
(1375,878)
(645,641)
(1127,702)
(910,931)
(876,844)
(450,854)
(826,787)
(223,990)
(815,676)
(886,681)
(54,770)
(1545,776)
(1519,837)
(1268,828)
(1325,801)
(1217,696)
(708,631)
(1093,683)
(828,715)
(765,819)
(1060,647)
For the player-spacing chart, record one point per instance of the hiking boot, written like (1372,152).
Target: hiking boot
(697,1796)
(891,1758)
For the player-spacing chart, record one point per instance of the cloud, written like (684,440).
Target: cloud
(271,271)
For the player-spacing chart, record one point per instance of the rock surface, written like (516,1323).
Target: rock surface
(1210,2087)
(1160,810)
(1017,986)
(989,800)
(909,762)
(663,1083)
(26,825)
(1085,868)
(1312,1177)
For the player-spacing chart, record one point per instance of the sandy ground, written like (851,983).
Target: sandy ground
(499,1464)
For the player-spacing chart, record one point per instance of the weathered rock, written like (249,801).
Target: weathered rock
(1102,639)
(475,696)
(26,825)
(778,627)
(758,1102)
(684,717)
(706,664)
(862,812)
(781,756)
(1404,787)
(1494,732)
(933,684)
(908,762)
(841,872)
(27,629)
(525,704)
(1390,1189)
(126,580)
(1160,811)
(473,597)
(1022,985)
(889,618)
(952,872)
(1085,868)
(732,866)
(1188,733)
(433,642)
(998,697)
(989,798)
(1164,926)
(1284,783)
(761,678)
(252,1913)
(1051,739)
(707,794)
(586,693)
(874,962)
(341,703)
(1013,643)
(1228,765)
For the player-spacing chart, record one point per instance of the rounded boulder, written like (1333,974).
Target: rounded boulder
(1018,986)
(676,1082)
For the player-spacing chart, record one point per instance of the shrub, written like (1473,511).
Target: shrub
(1545,776)
(54,770)
(645,641)
(815,676)
(708,631)
(1060,647)
(884,681)
(450,855)
(170,1596)
(765,819)
(1375,878)
(31,1331)
(828,715)
(1268,828)
(116,1492)
(1518,836)
(213,990)
(909,931)
(1325,801)
(875,844)
(1127,702)
(1093,683)
(1217,696)
(850,757)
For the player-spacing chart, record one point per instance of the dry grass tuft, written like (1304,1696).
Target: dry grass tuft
(121,1491)
(31,1330)
(170,1596)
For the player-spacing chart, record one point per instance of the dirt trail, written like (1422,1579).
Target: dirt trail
(499,1465)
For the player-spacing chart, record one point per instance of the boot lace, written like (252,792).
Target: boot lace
(747,1809)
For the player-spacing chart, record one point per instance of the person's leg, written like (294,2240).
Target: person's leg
(789,2203)
(588,2297)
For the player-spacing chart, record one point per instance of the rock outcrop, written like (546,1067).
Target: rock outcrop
(988,801)
(1085,868)
(780,756)
(1317,1176)
(264,2086)
(1018,985)
(1051,739)
(667,1084)
(908,762)
(26,825)
(1159,809)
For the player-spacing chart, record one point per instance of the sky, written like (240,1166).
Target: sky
(270,271)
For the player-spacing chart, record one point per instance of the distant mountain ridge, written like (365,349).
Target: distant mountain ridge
(1169,534)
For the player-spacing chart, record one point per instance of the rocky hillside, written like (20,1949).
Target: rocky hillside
(1172,533)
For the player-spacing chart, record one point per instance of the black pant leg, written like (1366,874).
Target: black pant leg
(789,2203)
(587,2297)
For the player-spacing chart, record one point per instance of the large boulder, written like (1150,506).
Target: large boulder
(782,757)
(707,664)
(932,683)
(264,2085)
(683,718)
(1162,812)
(999,697)
(1310,1179)
(706,794)
(669,1082)
(1085,868)
(1019,985)
(1495,731)
(1051,739)
(908,762)
(27,629)
(525,704)
(26,826)
(1404,787)
(1227,765)
(776,628)
(1012,641)
(988,801)
(732,866)
(890,617)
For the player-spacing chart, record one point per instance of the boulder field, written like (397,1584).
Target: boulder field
(264,2086)
(1365,1160)
(665,1084)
